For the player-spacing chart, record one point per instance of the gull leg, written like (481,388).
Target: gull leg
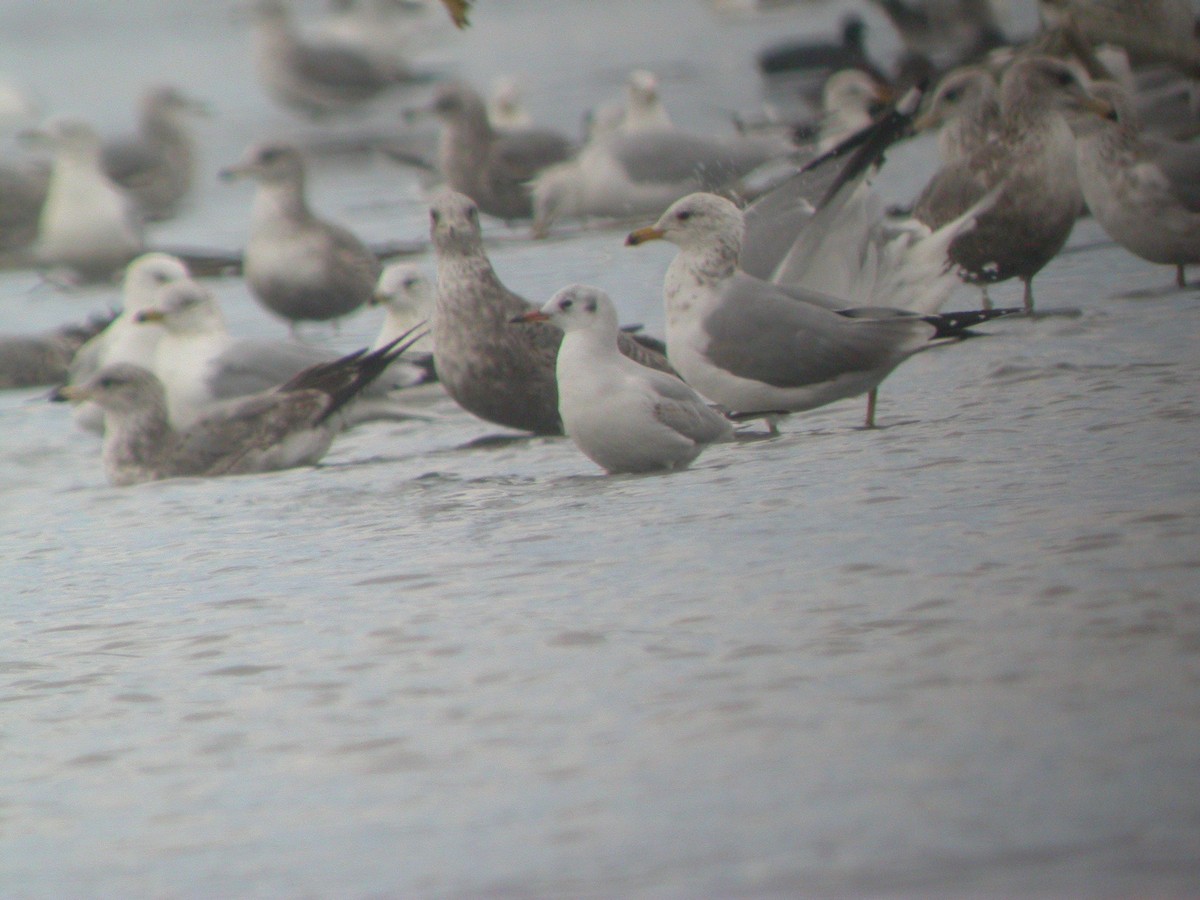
(1180,278)
(872,396)
(987,300)
(1029,295)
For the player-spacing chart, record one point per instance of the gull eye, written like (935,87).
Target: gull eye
(951,96)
(472,213)
(565,304)
(409,282)
(1065,78)
(269,155)
(159,277)
(683,215)
(435,216)
(590,306)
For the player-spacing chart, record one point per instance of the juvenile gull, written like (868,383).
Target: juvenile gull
(501,373)
(283,428)
(318,79)
(491,167)
(624,416)
(1144,192)
(157,164)
(965,111)
(126,340)
(299,266)
(1033,162)
(88,224)
(761,349)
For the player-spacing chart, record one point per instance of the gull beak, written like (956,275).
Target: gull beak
(72,393)
(376,299)
(884,94)
(149,315)
(928,119)
(1102,108)
(534,315)
(649,233)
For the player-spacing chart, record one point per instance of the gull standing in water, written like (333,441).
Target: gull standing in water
(299,266)
(283,428)
(489,166)
(1033,162)
(625,417)
(157,165)
(760,349)
(1144,192)
(501,373)
(88,224)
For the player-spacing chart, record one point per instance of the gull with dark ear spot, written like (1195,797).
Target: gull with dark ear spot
(1032,161)
(291,425)
(762,349)
(298,265)
(624,416)
(496,371)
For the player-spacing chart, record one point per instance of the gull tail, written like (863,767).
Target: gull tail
(958,324)
(343,378)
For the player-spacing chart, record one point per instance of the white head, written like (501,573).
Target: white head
(185,307)
(403,288)
(146,277)
(853,91)
(581,307)
(698,222)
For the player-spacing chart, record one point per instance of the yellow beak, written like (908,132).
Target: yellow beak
(649,233)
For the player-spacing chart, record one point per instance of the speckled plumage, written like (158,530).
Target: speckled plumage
(493,369)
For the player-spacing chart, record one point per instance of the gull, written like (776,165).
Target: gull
(506,104)
(821,56)
(965,111)
(623,416)
(1149,30)
(1144,192)
(88,224)
(157,164)
(201,364)
(23,186)
(283,428)
(762,349)
(299,266)
(1033,160)
(491,369)
(33,360)
(489,166)
(407,297)
(315,78)
(126,340)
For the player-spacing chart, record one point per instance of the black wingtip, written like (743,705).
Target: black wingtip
(958,324)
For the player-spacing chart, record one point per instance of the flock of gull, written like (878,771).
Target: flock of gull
(792,286)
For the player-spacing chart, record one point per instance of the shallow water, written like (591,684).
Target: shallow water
(956,654)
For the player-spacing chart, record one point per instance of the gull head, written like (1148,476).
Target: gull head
(1039,83)
(185,307)
(67,135)
(268,164)
(853,90)
(959,93)
(168,101)
(577,307)
(455,101)
(1123,114)
(146,277)
(454,223)
(698,222)
(121,388)
(403,288)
